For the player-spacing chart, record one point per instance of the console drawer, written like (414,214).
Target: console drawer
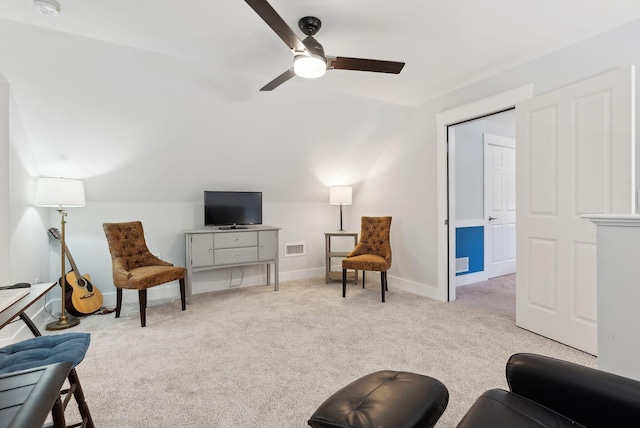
(235,239)
(231,256)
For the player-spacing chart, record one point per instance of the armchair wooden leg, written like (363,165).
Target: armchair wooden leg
(363,279)
(344,283)
(118,301)
(183,294)
(382,284)
(386,282)
(142,300)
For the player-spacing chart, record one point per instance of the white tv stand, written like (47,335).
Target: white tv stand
(214,248)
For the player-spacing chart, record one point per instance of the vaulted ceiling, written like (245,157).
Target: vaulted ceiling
(157,100)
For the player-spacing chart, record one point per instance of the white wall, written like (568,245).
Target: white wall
(402,184)
(28,238)
(4,181)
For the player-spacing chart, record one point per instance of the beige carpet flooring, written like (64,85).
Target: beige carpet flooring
(253,357)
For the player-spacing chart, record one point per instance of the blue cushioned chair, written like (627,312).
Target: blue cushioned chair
(44,350)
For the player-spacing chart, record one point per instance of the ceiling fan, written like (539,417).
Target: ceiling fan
(309,60)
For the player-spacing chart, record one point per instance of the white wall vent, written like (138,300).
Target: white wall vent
(295,249)
(462,264)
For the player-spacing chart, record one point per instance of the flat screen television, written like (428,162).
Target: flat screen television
(232,210)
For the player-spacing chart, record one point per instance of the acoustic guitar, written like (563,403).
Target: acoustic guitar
(82,297)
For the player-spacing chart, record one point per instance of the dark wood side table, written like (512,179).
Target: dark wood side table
(27,396)
(329,254)
(18,308)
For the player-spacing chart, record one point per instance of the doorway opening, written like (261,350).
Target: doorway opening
(482,185)
(446,177)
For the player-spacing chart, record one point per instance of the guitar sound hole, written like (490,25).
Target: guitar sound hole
(85,284)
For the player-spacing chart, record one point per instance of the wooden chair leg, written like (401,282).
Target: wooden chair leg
(386,281)
(118,301)
(363,279)
(344,283)
(183,294)
(142,300)
(382,284)
(78,394)
(57,413)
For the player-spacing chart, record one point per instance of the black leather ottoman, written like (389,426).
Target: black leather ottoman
(384,399)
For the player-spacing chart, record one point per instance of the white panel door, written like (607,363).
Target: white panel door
(575,156)
(499,205)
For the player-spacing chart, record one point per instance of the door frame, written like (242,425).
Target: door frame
(445,171)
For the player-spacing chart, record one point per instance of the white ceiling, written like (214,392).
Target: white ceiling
(111,88)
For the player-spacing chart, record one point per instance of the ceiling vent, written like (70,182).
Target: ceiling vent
(47,7)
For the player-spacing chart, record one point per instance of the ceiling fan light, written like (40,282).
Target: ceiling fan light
(309,66)
(47,7)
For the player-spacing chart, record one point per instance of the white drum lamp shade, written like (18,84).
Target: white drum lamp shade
(340,195)
(60,192)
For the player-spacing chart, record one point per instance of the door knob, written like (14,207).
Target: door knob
(492,218)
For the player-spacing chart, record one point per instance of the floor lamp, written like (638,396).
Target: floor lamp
(61,192)
(340,195)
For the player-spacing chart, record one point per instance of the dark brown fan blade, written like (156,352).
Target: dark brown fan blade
(378,66)
(277,24)
(278,80)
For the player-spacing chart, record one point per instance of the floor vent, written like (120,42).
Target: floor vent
(291,250)
(462,264)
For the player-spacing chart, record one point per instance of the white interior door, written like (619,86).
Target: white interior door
(575,156)
(499,205)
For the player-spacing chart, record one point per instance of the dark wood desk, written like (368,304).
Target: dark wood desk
(27,396)
(18,308)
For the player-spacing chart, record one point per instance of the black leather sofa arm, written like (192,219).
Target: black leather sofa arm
(589,396)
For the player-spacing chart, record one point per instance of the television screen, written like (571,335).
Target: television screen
(232,208)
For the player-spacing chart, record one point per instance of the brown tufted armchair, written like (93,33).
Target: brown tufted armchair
(373,252)
(134,267)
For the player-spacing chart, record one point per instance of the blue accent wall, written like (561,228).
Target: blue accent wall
(470,243)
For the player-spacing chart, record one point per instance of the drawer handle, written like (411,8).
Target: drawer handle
(210,250)
(237,256)
(237,240)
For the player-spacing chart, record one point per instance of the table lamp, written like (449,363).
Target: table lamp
(340,195)
(61,192)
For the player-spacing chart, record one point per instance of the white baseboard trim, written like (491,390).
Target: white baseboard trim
(471,278)
(426,290)
(302,274)
(404,285)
